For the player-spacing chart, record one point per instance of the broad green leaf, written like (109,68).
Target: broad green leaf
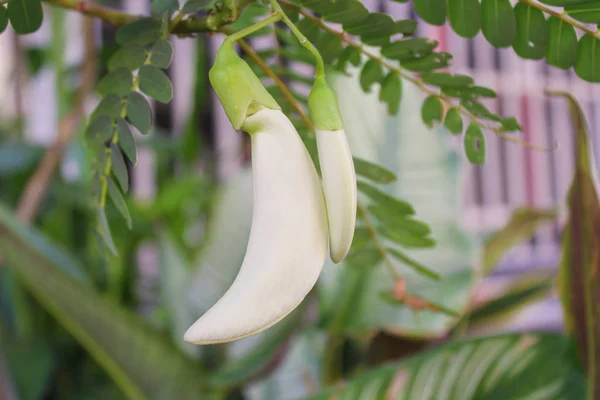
(579,280)
(3,19)
(194,6)
(110,105)
(118,82)
(130,56)
(346,13)
(374,30)
(408,48)
(119,168)
(465,17)
(428,62)
(587,65)
(420,268)
(161,54)
(391,92)
(385,200)
(142,31)
(453,121)
(444,79)
(432,11)
(508,367)
(139,359)
(138,112)
(522,225)
(160,7)
(474,144)
(532,32)
(562,44)
(371,73)
(25,15)
(498,22)
(588,12)
(103,230)
(432,110)
(100,129)
(154,83)
(373,172)
(406,26)
(118,201)
(126,141)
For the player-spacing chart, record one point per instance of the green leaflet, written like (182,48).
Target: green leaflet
(587,65)
(504,367)
(432,11)
(465,17)
(25,15)
(562,44)
(142,362)
(588,12)
(532,32)
(579,281)
(498,22)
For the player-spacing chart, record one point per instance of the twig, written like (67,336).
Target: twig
(38,183)
(209,23)
(409,77)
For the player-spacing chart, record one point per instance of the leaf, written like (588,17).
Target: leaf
(391,92)
(406,26)
(563,3)
(371,73)
(475,144)
(110,106)
(139,359)
(579,283)
(532,32)
(510,125)
(432,111)
(118,82)
(25,15)
(138,112)
(453,121)
(508,367)
(465,17)
(154,83)
(373,172)
(522,225)
(161,54)
(407,240)
(309,29)
(194,6)
(428,62)
(385,200)
(3,19)
(103,230)
(420,268)
(408,48)
(142,31)
(364,257)
(399,222)
(351,11)
(432,11)
(119,168)
(498,22)
(160,7)
(349,54)
(118,201)
(330,47)
(562,44)
(444,79)
(374,30)
(587,65)
(126,141)
(100,129)
(588,12)
(131,56)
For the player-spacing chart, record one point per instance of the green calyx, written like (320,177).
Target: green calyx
(323,105)
(237,87)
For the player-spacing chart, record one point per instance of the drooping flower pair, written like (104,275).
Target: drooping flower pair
(292,220)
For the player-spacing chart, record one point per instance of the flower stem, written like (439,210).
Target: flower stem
(302,39)
(253,28)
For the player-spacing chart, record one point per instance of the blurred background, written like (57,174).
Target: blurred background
(193,153)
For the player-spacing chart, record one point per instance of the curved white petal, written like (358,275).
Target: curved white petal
(288,238)
(339,185)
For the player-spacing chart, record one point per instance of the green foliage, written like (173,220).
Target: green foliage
(475,144)
(513,366)
(25,15)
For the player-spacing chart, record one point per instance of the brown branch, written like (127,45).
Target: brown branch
(38,183)
(209,23)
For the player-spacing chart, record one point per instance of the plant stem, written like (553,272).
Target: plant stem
(409,77)
(302,39)
(253,28)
